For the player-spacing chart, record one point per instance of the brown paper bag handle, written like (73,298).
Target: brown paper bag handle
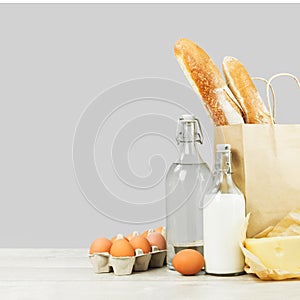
(272,91)
(268,91)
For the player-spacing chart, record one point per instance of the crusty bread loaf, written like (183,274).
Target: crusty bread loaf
(207,81)
(244,90)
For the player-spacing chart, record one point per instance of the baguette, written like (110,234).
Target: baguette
(244,90)
(208,83)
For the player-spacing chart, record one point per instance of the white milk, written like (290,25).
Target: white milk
(223,218)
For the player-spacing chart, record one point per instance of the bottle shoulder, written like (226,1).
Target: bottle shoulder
(194,167)
(188,173)
(222,183)
(221,202)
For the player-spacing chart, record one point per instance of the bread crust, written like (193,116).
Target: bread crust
(244,90)
(207,81)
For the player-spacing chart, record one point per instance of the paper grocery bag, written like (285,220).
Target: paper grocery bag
(266,168)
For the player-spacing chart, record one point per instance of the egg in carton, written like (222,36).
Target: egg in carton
(162,230)
(142,256)
(153,257)
(99,255)
(102,261)
(157,239)
(160,252)
(122,256)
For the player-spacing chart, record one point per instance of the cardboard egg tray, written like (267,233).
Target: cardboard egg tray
(103,262)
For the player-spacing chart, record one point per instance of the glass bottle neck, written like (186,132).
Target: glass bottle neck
(223,177)
(189,153)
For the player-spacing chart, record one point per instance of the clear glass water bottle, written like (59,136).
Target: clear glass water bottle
(186,182)
(223,219)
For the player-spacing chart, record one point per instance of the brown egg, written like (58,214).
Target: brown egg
(115,237)
(188,262)
(159,229)
(162,230)
(121,248)
(140,242)
(100,245)
(145,233)
(131,235)
(156,239)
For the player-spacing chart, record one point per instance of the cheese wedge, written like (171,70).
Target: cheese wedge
(282,252)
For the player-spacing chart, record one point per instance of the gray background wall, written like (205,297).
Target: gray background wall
(55,59)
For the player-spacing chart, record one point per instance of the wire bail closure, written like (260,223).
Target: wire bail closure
(198,129)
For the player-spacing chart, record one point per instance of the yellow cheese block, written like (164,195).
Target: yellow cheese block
(282,252)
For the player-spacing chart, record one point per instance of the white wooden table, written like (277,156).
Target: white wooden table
(67,274)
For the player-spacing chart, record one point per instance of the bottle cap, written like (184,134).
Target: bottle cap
(188,118)
(223,148)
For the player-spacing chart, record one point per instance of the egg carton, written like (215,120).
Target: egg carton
(103,262)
